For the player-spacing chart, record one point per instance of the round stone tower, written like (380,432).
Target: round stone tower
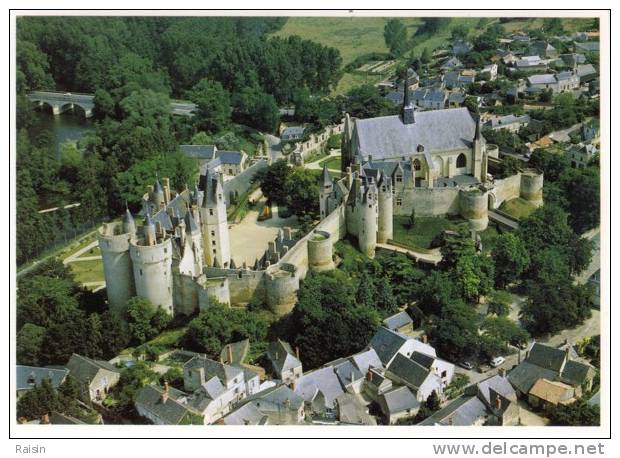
(385,230)
(281,286)
(151,256)
(474,206)
(367,229)
(114,240)
(320,251)
(532,187)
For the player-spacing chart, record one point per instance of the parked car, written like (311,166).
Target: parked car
(497,361)
(466,365)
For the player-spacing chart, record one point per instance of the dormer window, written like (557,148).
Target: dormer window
(399,178)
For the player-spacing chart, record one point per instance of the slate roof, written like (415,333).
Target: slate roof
(542,79)
(224,372)
(387,343)
(463,411)
(275,405)
(281,356)
(398,320)
(546,356)
(292,132)
(205,152)
(230,157)
(498,384)
(347,372)
(399,400)
(247,414)
(171,412)
(27,377)
(575,372)
(352,411)
(84,369)
(586,70)
(437,130)
(526,374)
(589,46)
(508,119)
(324,380)
(409,371)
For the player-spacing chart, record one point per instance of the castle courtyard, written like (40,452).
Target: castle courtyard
(249,238)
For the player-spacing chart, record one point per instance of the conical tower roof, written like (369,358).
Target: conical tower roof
(327,179)
(190,223)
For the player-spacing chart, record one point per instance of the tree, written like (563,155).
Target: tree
(39,401)
(583,192)
(511,259)
(435,292)
(114,334)
(326,321)
(254,107)
(366,102)
(302,192)
(578,413)
(221,325)
(139,313)
(456,332)
(274,181)
(504,330)
(214,105)
(32,68)
(508,166)
(474,276)
(29,342)
(395,35)
(456,247)
(385,300)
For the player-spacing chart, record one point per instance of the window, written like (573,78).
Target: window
(416,165)
(399,178)
(444,374)
(399,201)
(461,161)
(212,233)
(165,250)
(140,272)
(211,211)
(213,242)
(230,171)
(214,251)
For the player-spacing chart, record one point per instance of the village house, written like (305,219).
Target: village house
(491,70)
(397,404)
(277,405)
(490,402)
(94,377)
(230,163)
(292,133)
(28,377)
(459,79)
(558,82)
(510,122)
(165,406)
(543,49)
(286,365)
(399,322)
(549,376)
(431,99)
(530,64)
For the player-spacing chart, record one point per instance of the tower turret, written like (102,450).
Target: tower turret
(214,222)
(150,237)
(408,111)
(326,190)
(158,197)
(477,153)
(385,229)
(193,232)
(129,225)
(346,147)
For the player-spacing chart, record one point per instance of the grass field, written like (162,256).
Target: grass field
(332,163)
(424,230)
(518,208)
(88,271)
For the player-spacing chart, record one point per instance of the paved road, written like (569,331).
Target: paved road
(274,147)
(434,257)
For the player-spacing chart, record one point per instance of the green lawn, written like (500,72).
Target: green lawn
(424,230)
(331,162)
(168,338)
(518,208)
(87,271)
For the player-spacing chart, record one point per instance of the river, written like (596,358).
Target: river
(66,126)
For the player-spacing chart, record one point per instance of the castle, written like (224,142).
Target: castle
(434,162)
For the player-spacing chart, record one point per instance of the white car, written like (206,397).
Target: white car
(498,361)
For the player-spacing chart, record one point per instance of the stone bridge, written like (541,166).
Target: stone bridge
(65,101)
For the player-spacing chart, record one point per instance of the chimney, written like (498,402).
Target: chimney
(165,393)
(167,189)
(369,375)
(424,338)
(297,352)
(502,372)
(230,356)
(498,403)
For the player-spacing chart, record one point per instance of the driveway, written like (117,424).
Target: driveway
(274,147)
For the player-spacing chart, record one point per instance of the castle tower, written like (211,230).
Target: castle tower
(367,228)
(346,147)
(151,256)
(477,153)
(385,229)
(192,230)
(114,239)
(326,190)
(214,223)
